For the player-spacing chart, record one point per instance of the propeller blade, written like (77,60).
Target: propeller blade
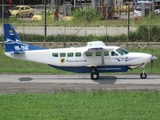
(151,65)
(153,57)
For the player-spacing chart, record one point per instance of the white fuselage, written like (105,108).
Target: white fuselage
(82,57)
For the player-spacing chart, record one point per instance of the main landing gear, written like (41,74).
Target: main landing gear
(94,74)
(143,75)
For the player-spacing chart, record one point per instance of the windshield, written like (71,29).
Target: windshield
(122,51)
(15,8)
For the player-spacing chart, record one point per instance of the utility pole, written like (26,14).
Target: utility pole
(93,4)
(45,23)
(128,22)
(54,3)
(153,2)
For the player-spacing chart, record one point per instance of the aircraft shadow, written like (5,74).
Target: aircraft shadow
(80,78)
(101,80)
(106,80)
(25,79)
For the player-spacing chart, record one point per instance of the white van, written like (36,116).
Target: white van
(138,8)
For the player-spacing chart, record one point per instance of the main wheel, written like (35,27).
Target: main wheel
(17,15)
(31,15)
(95,76)
(143,75)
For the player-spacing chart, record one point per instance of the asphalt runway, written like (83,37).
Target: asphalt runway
(13,83)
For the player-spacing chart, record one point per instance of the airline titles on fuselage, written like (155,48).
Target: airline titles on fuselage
(63,60)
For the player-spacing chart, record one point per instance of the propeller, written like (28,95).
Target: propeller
(151,65)
(151,61)
(152,58)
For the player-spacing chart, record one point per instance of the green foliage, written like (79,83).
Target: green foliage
(155,33)
(31,37)
(87,14)
(143,33)
(132,37)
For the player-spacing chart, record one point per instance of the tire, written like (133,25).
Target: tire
(143,75)
(17,15)
(30,15)
(95,76)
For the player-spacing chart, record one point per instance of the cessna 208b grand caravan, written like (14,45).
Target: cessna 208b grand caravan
(94,58)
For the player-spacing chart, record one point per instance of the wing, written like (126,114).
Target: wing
(97,45)
(97,49)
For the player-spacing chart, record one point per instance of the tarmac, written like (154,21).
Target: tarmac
(34,83)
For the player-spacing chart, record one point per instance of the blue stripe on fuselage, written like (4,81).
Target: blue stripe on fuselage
(84,69)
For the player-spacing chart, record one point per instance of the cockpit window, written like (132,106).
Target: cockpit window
(114,54)
(122,51)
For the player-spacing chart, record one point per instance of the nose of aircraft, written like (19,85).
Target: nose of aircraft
(153,57)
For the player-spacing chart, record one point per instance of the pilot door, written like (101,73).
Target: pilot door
(110,58)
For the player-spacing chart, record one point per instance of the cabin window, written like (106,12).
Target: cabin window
(70,54)
(55,54)
(98,53)
(88,54)
(106,53)
(114,54)
(78,54)
(62,54)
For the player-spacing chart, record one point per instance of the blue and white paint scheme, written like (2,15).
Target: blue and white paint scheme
(94,58)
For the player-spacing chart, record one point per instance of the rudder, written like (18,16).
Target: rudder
(13,42)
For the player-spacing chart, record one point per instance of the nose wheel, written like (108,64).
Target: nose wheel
(94,74)
(143,75)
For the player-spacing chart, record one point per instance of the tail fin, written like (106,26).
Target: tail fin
(13,42)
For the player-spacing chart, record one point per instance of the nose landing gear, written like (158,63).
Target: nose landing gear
(143,75)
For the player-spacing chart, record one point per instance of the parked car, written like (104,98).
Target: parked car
(124,7)
(157,8)
(20,11)
(157,11)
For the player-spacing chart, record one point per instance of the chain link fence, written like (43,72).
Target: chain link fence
(113,21)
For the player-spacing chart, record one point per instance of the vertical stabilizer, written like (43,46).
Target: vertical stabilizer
(13,42)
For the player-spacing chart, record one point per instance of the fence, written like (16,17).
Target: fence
(126,25)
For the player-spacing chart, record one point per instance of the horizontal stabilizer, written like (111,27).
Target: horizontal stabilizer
(17,52)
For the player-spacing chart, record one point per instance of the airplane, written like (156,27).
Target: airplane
(94,58)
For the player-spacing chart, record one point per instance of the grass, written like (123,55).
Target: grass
(9,65)
(81,106)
